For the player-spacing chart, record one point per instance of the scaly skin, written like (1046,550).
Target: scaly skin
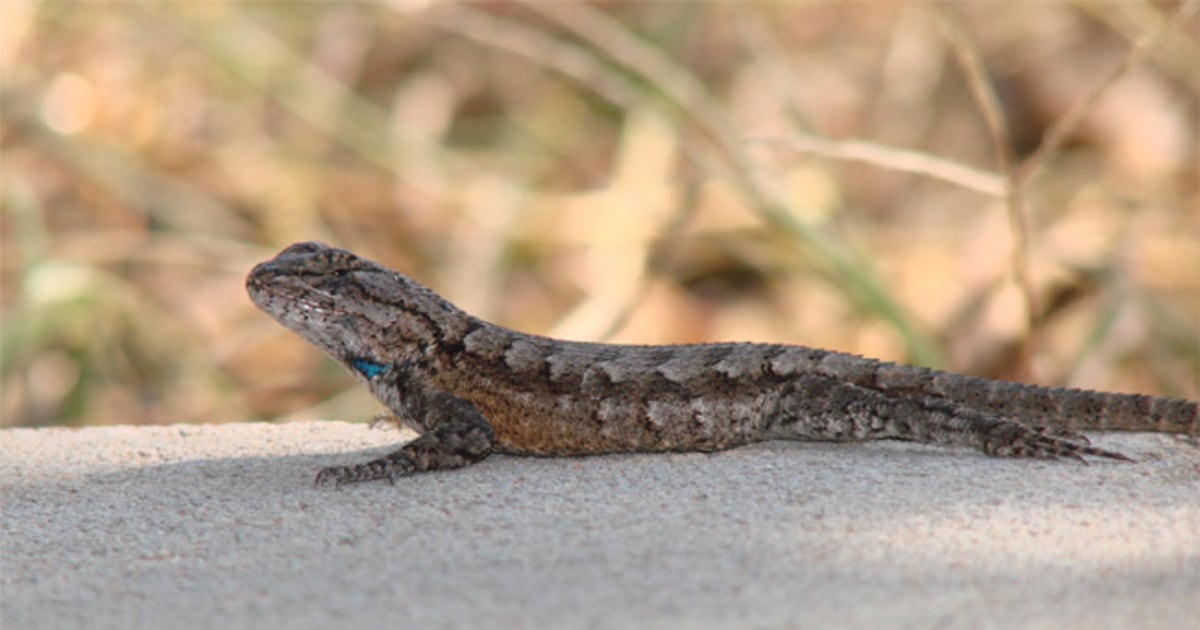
(471,388)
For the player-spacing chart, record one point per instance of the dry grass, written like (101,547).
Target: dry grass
(1002,189)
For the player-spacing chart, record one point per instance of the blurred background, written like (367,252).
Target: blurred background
(1003,189)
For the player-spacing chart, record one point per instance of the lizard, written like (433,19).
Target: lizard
(471,388)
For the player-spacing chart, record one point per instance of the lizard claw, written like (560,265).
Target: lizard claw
(1063,434)
(1016,440)
(335,474)
(382,418)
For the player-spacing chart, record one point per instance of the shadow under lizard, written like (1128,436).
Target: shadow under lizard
(471,388)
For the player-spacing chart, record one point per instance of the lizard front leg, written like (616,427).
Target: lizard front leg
(816,407)
(457,435)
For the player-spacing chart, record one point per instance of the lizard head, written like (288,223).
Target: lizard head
(362,314)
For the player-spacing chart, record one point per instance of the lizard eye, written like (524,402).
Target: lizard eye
(368,368)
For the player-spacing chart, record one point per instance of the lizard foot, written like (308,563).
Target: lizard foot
(389,467)
(1015,440)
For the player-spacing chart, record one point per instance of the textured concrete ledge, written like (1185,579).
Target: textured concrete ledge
(219,526)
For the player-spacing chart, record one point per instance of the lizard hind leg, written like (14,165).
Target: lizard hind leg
(816,407)
(458,436)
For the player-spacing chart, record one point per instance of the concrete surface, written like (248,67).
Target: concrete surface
(220,527)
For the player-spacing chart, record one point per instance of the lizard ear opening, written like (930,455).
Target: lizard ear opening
(368,368)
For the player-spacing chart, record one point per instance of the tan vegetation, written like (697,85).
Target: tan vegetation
(1006,189)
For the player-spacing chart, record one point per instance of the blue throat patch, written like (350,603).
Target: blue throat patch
(368,368)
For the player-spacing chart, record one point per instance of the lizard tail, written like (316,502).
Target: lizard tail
(1072,409)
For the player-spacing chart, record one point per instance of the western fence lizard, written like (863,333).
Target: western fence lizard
(471,388)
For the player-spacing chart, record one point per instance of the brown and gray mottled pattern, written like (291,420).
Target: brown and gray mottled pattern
(471,388)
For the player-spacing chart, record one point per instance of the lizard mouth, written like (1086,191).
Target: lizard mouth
(310,274)
(267,286)
(288,297)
